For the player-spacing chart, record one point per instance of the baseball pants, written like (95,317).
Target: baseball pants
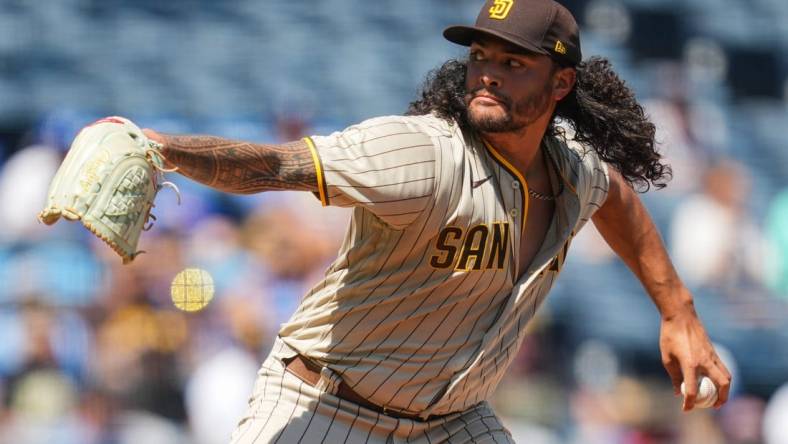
(284,409)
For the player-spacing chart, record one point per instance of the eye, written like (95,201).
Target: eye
(476,56)
(514,63)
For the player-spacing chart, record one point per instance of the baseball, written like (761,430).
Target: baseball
(707,393)
(192,289)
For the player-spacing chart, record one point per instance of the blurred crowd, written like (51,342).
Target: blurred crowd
(94,352)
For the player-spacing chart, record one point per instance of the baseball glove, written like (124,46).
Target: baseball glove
(109,180)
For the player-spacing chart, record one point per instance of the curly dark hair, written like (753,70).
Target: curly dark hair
(601,110)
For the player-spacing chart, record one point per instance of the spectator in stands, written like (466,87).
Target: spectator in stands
(715,242)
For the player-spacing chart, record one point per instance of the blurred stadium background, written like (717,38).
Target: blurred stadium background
(94,352)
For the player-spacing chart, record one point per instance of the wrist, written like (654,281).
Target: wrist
(163,148)
(157,137)
(677,305)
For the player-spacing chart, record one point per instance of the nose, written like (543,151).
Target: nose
(490,79)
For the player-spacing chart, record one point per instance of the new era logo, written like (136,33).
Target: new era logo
(500,9)
(559,47)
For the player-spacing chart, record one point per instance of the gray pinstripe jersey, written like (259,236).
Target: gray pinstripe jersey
(422,311)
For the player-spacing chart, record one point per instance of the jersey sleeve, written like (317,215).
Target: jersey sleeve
(593,184)
(386,165)
(589,177)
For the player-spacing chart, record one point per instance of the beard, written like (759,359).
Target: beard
(528,109)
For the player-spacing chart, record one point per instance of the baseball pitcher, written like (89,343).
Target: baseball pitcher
(463,213)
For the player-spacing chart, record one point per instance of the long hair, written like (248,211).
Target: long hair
(601,111)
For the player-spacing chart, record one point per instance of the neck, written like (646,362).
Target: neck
(521,148)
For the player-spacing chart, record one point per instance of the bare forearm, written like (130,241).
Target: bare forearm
(686,350)
(241,167)
(627,227)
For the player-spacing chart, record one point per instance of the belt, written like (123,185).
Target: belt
(309,372)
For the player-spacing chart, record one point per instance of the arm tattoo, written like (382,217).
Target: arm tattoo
(242,167)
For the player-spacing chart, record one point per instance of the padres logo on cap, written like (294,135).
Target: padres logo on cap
(500,9)
(559,47)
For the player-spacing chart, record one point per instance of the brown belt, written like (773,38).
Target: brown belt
(309,372)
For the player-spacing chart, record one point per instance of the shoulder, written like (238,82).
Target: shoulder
(585,172)
(428,125)
(577,161)
(390,131)
(574,152)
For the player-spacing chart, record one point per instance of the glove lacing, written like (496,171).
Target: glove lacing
(156,158)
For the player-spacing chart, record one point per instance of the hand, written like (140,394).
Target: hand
(687,353)
(161,139)
(154,136)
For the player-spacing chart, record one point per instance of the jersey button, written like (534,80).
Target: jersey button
(515,184)
(513,212)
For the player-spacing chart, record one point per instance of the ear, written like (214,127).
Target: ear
(563,82)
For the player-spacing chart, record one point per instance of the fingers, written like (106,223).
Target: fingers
(690,386)
(722,379)
(674,371)
(153,135)
(716,371)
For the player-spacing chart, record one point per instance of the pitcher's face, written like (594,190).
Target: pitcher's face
(507,87)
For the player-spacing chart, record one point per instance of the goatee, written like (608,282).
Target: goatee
(490,124)
(531,108)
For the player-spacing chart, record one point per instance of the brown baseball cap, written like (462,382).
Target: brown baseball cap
(541,26)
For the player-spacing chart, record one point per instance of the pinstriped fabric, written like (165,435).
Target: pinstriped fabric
(402,324)
(301,413)
(385,165)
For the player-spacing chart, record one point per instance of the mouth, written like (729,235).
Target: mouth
(487,99)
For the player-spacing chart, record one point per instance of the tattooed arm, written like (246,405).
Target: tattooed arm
(239,167)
